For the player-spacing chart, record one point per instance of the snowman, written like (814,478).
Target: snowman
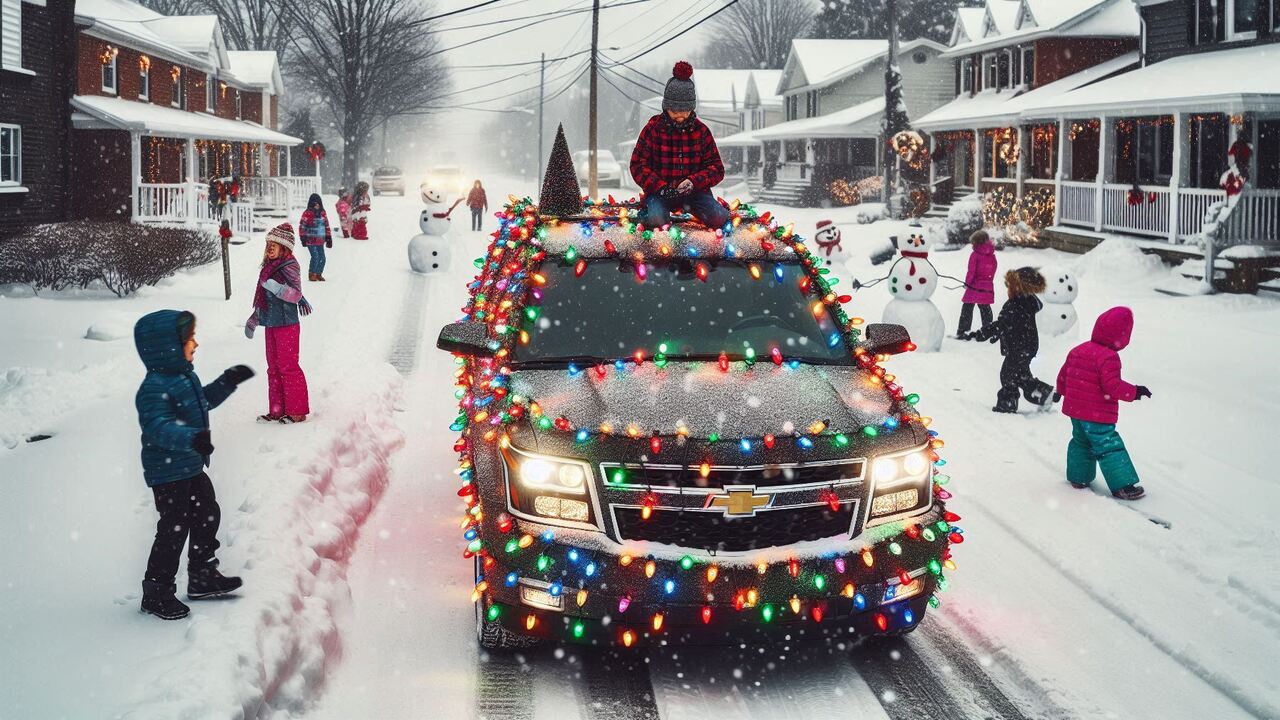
(912,281)
(828,238)
(429,251)
(1058,316)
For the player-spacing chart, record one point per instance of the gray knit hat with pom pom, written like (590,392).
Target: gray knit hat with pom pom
(680,93)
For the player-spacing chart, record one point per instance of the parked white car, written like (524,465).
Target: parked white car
(608,169)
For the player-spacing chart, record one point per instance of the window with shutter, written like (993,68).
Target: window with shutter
(10,155)
(11,34)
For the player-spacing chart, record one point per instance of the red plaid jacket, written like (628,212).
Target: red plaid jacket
(667,153)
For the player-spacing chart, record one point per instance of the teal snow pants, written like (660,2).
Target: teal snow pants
(1093,444)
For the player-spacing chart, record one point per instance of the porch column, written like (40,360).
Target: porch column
(1181,168)
(191,180)
(1060,174)
(1024,146)
(1104,149)
(264,162)
(810,158)
(933,169)
(135,173)
(977,161)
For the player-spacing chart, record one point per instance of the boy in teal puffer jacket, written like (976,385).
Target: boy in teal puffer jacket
(173,410)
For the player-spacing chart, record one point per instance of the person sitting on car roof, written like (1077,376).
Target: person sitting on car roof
(676,161)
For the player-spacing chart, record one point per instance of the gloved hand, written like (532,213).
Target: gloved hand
(329,243)
(685,187)
(668,193)
(202,443)
(237,374)
(1143,391)
(250,325)
(272,286)
(993,339)
(857,284)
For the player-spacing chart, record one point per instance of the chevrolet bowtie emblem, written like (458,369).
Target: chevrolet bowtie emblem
(738,501)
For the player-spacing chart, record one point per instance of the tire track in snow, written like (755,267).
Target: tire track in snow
(504,688)
(408,338)
(617,686)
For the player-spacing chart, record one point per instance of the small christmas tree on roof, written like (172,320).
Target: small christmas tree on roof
(560,185)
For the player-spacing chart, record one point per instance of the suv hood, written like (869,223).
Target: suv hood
(767,399)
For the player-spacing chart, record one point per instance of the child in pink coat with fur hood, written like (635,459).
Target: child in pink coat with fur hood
(1092,388)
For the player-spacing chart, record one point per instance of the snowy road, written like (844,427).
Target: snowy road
(1065,604)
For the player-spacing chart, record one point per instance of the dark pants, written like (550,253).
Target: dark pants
(317,259)
(477,222)
(699,203)
(187,507)
(966,317)
(1015,378)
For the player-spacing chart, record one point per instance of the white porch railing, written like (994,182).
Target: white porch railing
(1193,203)
(1078,200)
(1255,219)
(793,171)
(300,188)
(1150,216)
(189,202)
(270,193)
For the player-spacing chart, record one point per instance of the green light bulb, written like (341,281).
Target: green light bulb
(493,612)
(895,548)
(766,612)
(913,398)
(578,629)
(544,562)
(819,581)
(933,601)
(569,255)
(512,546)
(935,567)
(870,431)
(686,562)
(842,440)
(619,476)
(544,422)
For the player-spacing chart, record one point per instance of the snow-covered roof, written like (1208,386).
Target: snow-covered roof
(721,89)
(257,67)
(861,120)
(94,111)
(746,138)
(132,24)
(999,109)
(762,88)
(1191,83)
(816,63)
(1007,22)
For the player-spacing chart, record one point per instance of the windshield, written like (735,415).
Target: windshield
(384,171)
(609,313)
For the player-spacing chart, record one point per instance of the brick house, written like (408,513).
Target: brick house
(36,70)
(158,111)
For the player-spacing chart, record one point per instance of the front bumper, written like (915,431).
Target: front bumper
(606,597)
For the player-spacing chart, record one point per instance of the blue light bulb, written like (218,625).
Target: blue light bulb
(805,443)
(548,536)
(859,601)
(573,556)
(669,586)
(591,569)
(512,579)
(745,444)
(582,436)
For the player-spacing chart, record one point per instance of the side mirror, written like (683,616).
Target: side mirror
(467,338)
(885,339)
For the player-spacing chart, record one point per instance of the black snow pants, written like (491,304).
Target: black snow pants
(187,507)
(1015,378)
(966,317)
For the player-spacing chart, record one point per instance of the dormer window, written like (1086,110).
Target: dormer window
(210,93)
(990,74)
(966,75)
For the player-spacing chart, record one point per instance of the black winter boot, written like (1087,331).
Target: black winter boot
(208,583)
(1133,492)
(158,599)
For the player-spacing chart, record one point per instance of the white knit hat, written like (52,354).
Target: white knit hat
(282,234)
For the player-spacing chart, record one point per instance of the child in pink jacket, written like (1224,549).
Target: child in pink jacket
(1092,388)
(979,283)
(343,207)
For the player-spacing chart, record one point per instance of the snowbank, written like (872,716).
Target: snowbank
(1116,260)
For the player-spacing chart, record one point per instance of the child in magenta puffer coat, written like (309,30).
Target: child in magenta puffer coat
(979,283)
(1092,388)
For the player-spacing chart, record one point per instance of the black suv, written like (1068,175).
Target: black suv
(678,434)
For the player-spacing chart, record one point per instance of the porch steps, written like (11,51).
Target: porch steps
(939,210)
(784,192)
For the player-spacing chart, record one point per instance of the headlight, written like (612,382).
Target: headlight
(900,485)
(548,489)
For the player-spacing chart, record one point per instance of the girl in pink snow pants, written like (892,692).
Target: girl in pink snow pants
(277,303)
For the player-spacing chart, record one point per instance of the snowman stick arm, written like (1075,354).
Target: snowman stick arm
(455,204)
(963,284)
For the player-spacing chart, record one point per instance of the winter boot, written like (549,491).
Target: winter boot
(1079,486)
(269,418)
(319,277)
(292,419)
(208,582)
(311,277)
(158,599)
(1133,492)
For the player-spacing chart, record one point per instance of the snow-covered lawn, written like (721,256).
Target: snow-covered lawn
(345,528)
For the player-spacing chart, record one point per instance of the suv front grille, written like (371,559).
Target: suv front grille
(717,532)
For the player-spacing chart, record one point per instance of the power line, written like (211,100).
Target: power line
(517,64)
(537,22)
(562,11)
(620,76)
(637,71)
(456,12)
(690,11)
(495,82)
(633,58)
(615,87)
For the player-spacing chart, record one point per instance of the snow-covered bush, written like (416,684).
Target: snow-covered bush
(963,219)
(121,256)
(870,212)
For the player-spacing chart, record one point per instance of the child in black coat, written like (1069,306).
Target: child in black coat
(1019,341)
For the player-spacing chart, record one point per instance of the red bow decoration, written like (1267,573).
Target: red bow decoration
(315,151)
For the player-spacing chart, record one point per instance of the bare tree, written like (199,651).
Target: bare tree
(175,7)
(370,60)
(758,33)
(251,24)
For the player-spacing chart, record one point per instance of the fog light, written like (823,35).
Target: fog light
(897,591)
(555,507)
(891,503)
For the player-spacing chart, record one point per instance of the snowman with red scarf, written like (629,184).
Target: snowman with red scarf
(912,281)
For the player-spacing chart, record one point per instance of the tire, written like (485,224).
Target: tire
(493,636)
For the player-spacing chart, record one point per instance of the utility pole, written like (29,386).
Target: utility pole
(542,87)
(593,184)
(891,77)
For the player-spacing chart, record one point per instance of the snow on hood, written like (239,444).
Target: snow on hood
(1114,327)
(766,399)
